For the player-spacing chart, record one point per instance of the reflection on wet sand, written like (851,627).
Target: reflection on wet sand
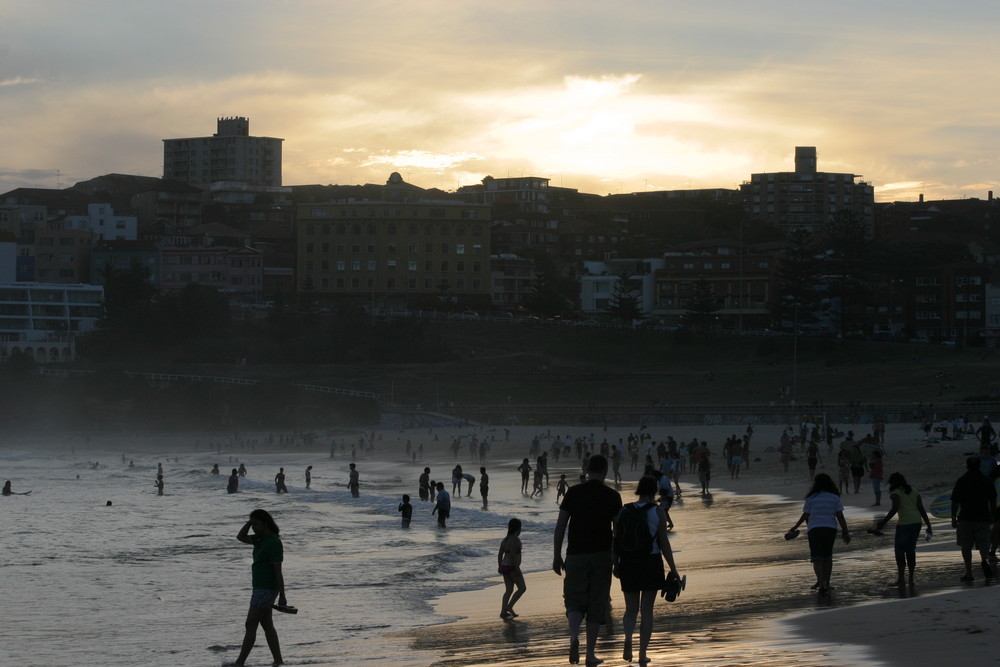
(742,577)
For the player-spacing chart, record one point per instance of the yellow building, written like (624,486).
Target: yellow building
(402,251)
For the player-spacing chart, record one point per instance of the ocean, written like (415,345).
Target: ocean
(163,580)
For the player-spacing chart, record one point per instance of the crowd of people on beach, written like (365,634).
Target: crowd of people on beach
(606,538)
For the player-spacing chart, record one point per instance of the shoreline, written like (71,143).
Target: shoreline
(879,631)
(944,620)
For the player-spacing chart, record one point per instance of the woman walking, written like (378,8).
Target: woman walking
(822,511)
(509,565)
(908,504)
(268,582)
(641,544)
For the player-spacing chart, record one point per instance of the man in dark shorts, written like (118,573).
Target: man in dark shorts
(973,504)
(589,509)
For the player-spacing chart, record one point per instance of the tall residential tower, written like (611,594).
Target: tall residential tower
(231,154)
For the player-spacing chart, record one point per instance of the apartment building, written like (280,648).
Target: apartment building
(231,154)
(403,250)
(236,272)
(104,223)
(42,320)
(806,197)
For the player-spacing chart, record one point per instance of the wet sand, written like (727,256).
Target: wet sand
(761,612)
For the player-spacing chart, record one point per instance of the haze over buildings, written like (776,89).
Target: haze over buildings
(597,97)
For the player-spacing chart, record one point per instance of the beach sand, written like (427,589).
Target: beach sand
(922,629)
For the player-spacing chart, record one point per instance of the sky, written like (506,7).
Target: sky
(604,97)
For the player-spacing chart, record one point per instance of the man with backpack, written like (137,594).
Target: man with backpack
(589,510)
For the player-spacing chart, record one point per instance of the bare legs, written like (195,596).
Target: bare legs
(510,596)
(575,619)
(634,604)
(257,616)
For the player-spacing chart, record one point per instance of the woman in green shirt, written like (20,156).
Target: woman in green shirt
(907,503)
(268,582)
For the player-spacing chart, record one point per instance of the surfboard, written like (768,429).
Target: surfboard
(941,507)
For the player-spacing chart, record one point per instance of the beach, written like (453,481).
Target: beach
(882,625)
(437,592)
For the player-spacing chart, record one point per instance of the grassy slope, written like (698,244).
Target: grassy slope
(563,364)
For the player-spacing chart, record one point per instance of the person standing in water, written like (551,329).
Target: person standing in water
(6,489)
(159,485)
(279,481)
(353,481)
(234,482)
(442,505)
(509,565)
(484,486)
(268,582)
(309,476)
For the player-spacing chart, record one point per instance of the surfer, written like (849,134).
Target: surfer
(268,582)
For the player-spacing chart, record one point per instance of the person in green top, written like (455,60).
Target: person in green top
(907,503)
(268,582)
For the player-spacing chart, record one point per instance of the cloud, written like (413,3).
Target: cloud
(20,81)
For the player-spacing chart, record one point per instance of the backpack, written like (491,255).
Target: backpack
(632,536)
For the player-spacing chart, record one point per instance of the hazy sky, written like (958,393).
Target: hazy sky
(596,95)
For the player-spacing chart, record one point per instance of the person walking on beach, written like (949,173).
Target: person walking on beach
(907,503)
(442,505)
(279,482)
(812,457)
(484,486)
(525,470)
(588,510)
(234,482)
(973,504)
(986,433)
(309,476)
(537,487)
(353,481)
(641,544)
(858,466)
(844,471)
(875,474)
(509,565)
(268,582)
(561,487)
(822,511)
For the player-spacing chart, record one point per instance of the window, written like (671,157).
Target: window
(390,265)
(460,266)
(341,265)
(309,247)
(356,265)
(429,248)
(411,265)
(444,249)
(477,249)
(459,248)
(444,266)
(371,264)
(428,265)
(371,248)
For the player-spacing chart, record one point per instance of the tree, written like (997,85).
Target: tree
(624,303)
(845,236)
(702,306)
(799,273)
(128,298)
